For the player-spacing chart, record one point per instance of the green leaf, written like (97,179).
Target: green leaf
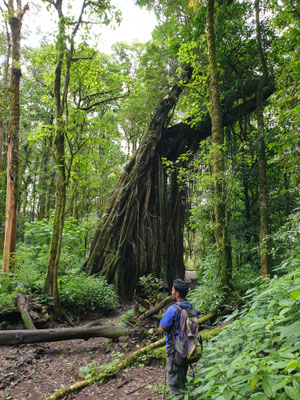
(253,383)
(292,365)
(228,393)
(295,295)
(259,396)
(292,392)
(268,385)
(291,330)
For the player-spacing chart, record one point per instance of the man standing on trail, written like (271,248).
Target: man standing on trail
(176,374)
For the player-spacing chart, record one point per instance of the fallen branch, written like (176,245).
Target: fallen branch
(21,304)
(206,317)
(53,335)
(154,310)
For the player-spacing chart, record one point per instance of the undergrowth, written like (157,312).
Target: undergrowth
(257,355)
(78,292)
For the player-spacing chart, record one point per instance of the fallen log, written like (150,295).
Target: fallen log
(21,304)
(154,310)
(205,317)
(53,335)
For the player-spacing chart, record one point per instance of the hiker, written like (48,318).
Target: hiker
(176,374)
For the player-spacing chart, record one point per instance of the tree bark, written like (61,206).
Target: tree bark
(123,257)
(262,164)
(129,240)
(3,104)
(154,310)
(20,302)
(15,17)
(3,93)
(52,335)
(221,222)
(60,192)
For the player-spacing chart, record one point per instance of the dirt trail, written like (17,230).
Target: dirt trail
(35,371)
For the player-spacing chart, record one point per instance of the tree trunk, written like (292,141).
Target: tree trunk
(129,238)
(221,227)
(58,222)
(123,256)
(53,335)
(262,164)
(4,94)
(44,180)
(15,21)
(60,192)
(20,302)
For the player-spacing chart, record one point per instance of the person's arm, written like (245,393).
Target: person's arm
(166,321)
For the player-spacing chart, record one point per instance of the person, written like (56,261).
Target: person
(176,374)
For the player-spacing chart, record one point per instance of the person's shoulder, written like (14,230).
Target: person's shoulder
(171,309)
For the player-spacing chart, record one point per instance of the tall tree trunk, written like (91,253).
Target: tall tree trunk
(221,228)
(44,181)
(132,230)
(262,165)
(58,223)
(3,105)
(125,244)
(15,17)
(3,93)
(60,192)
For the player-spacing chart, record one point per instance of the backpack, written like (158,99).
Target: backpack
(188,345)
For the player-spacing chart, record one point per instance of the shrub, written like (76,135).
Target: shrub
(81,293)
(151,287)
(257,355)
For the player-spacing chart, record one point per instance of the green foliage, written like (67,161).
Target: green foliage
(93,368)
(286,244)
(257,355)
(37,239)
(123,319)
(26,280)
(208,295)
(80,293)
(152,287)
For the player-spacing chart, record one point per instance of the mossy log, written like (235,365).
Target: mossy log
(21,304)
(205,317)
(154,310)
(52,335)
(106,374)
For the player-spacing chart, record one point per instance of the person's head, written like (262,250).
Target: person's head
(181,287)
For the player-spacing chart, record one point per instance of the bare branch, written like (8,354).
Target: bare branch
(102,102)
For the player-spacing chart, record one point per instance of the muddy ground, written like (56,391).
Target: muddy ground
(35,371)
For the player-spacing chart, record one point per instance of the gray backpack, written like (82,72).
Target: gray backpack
(188,345)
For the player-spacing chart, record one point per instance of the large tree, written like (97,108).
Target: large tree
(15,16)
(221,220)
(262,168)
(70,105)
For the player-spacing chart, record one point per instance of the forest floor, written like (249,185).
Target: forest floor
(35,371)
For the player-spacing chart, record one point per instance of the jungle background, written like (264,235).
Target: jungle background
(121,171)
